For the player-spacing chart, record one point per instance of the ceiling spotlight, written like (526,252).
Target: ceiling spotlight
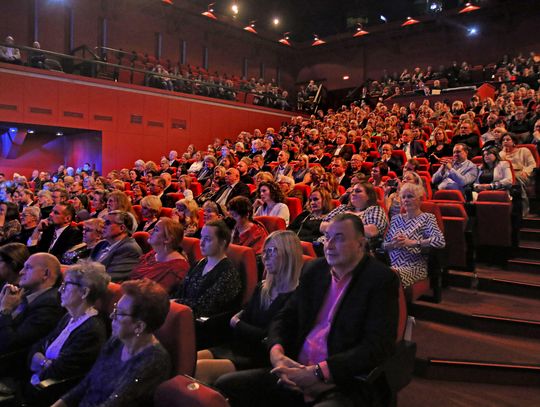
(251,27)
(317,41)
(275,21)
(168,2)
(234,8)
(472,31)
(383,18)
(434,6)
(409,21)
(285,39)
(59,133)
(13,129)
(360,31)
(346,77)
(210,12)
(468,8)
(30,131)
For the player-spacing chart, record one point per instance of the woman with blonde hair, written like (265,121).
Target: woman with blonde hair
(186,213)
(282,259)
(151,208)
(165,263)
(119,201)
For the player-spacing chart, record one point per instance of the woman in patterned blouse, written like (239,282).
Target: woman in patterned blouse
(409,233)
(363,203)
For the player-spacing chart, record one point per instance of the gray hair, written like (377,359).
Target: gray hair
(91,275)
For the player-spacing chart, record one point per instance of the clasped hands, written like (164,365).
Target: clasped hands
(401,241)
(296,376)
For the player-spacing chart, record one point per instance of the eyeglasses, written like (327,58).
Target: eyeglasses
(115,313)
(270,252)
(64,285)
(108,223)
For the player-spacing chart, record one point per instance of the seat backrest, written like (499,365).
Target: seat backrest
(295,207)
(244,260)
(138,212)
(105,305)
(449,195)
(196,188)
(452,210)
(176,196)
(165,212)
(142,240)
(307,249)
(478,160)
(191,247)
(177,335)
(432,207)
(400,154)
(402,313)
(493,196)
(271,223)
(305,189)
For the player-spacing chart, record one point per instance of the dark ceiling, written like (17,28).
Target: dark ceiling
(303,18)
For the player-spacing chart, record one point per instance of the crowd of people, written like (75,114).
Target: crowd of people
(360,175)
(520,69)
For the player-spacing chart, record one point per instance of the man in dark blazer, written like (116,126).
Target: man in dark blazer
(119,252)
(342,149)
(157,187)
(412,148)
(340,323)
(233,187)
(32,310)
(319,157)
(268,153)
(57,234)
(394,163)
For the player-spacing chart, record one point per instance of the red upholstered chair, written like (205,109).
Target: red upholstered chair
(478,160)
(142,240)
(352,146)
(305,189)
(127,186)
(138,212)
(271,223)
(184,391)
(177,335)
(377,140)
(191,247)
(367,166)
(392,175)
(455,221)
(397,371)
(196,188)
(534,152)
(493,214)
(336,203)
(165,212)
(105,305)
(341,189)
(244,260)
(307,249)
(400,155)
(175,186)
(374,155)
(424,164)
(449,195)
(295,207)
(427,186)
(176,196)
(251,187)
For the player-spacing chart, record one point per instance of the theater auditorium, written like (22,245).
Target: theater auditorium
(247,203)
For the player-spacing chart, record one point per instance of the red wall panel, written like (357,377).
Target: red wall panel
(12,97)
(108,108)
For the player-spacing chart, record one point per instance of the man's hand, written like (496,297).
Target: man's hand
(11,297)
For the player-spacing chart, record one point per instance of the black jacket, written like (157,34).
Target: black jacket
(70,237)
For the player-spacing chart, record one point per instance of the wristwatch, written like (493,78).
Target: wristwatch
(319,373)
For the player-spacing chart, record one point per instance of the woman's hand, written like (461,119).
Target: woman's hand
(258,202)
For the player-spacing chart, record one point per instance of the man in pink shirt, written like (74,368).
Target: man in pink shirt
(340,324)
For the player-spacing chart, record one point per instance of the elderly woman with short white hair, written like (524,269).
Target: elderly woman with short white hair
(409,233)
(72,347)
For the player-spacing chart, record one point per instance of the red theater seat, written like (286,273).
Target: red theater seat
(142,240)
(165,212)
(493,214)
(191,247)
(304,189)
(455,224)
(295,207)
(176,196)
(177,335)
(307,249)
(245,262)
(271,223)
(449,195)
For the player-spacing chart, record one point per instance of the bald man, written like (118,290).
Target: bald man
(31,310)
(233,187)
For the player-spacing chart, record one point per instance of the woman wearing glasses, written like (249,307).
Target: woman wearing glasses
(73,346)
(133,362)
(282,259)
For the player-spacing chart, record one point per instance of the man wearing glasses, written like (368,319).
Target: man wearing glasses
(119,252)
